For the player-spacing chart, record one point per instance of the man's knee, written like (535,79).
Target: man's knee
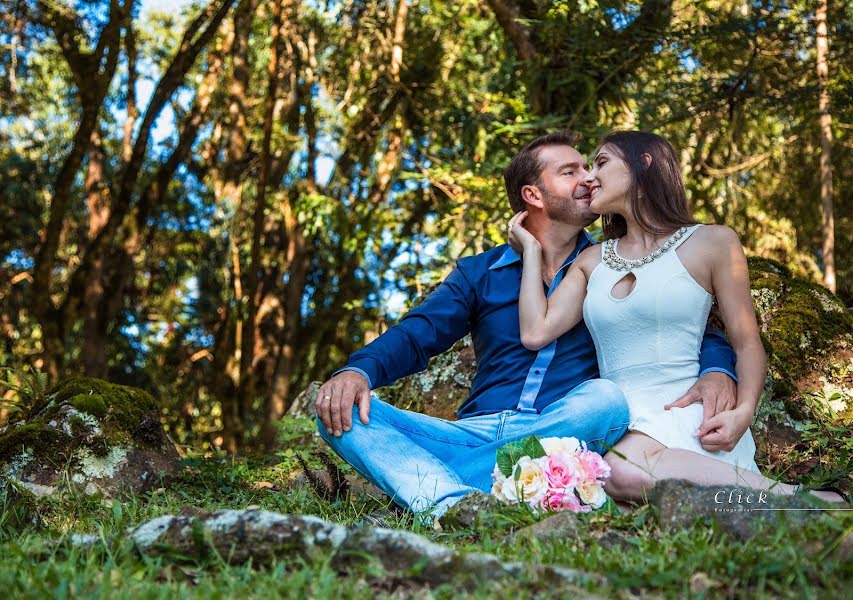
(607,398)
(330,437)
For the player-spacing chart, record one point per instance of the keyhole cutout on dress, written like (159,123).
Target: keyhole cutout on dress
(624,286)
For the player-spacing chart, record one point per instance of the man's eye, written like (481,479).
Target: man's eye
(568,172)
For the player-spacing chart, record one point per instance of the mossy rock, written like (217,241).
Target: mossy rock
(808,334)
(441,388)
(90,433)
(19,507)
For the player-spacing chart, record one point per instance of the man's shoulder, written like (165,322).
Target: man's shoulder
(478,265)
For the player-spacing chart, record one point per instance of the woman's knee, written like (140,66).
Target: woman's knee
(627,481)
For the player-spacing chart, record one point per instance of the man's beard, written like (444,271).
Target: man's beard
(564,209)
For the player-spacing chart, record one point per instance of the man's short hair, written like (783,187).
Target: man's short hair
(525,167)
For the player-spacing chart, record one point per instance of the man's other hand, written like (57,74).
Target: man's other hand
(718,393)
(335,400)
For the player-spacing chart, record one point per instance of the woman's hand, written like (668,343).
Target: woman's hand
(520,239)
(723,431)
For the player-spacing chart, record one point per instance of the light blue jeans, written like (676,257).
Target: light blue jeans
(426,464)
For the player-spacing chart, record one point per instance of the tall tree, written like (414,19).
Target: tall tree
(822,52)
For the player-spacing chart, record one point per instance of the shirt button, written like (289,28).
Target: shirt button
(537,371)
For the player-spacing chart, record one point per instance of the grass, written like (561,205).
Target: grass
(635,556)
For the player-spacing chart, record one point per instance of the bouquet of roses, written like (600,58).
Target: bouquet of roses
(550,474)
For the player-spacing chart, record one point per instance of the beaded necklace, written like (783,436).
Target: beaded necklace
(617,263)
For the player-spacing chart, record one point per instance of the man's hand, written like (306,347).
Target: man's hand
(718,393)
(723,431)
(336,397)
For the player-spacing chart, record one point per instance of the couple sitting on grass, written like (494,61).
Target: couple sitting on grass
(607,343)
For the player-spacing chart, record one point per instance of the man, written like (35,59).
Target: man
(427,464)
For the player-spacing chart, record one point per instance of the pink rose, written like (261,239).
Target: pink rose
(563,472)
(594,467)
(557,500)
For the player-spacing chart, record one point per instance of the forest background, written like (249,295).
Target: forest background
(219,201)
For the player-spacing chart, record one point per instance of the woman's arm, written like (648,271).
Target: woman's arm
(730,280)
(542,319)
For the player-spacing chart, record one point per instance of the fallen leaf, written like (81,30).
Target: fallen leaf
(700,582)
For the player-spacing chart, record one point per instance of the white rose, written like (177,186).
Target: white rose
(498,481)
(531,485)
(593,494)
(560,445)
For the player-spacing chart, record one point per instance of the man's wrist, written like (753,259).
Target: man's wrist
(355,370)
(721,370)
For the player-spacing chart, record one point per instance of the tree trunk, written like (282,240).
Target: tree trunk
(246,389)
(825,147)
(92,73)
(94,326)
(130,96)
(234,409)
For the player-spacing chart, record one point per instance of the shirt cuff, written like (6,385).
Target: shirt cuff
(357,370)
(718,370)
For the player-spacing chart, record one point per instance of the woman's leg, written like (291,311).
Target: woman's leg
(647,461)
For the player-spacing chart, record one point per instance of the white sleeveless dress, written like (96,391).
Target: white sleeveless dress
(648,344)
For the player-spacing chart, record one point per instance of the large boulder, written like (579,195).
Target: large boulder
(807,332)
(742,513)
(103,438)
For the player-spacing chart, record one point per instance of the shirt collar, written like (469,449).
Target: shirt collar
(510,256)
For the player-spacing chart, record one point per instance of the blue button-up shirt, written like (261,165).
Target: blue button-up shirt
(480,297)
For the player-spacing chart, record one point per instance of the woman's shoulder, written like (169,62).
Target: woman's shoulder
(589,258)
(717,235)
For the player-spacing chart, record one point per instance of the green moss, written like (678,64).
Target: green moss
(37,435)
(93,404)
(121,408)
(78,426)
(802,328)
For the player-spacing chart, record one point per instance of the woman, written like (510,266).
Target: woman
(645,295)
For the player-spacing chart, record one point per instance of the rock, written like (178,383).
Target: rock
(614,540)
(18,507)
(476,509)
(740,512)
(261,536)
(439,390)
(385,517)
(102,438)
(808,333)
(559,526)
(303,404)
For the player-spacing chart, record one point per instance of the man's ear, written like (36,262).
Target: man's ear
(647,159)
(532,195)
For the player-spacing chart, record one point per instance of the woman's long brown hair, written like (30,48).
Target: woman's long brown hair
(657,193)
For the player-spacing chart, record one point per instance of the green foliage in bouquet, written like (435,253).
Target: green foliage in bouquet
(509,454)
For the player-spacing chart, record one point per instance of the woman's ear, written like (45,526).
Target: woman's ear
(647,159)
